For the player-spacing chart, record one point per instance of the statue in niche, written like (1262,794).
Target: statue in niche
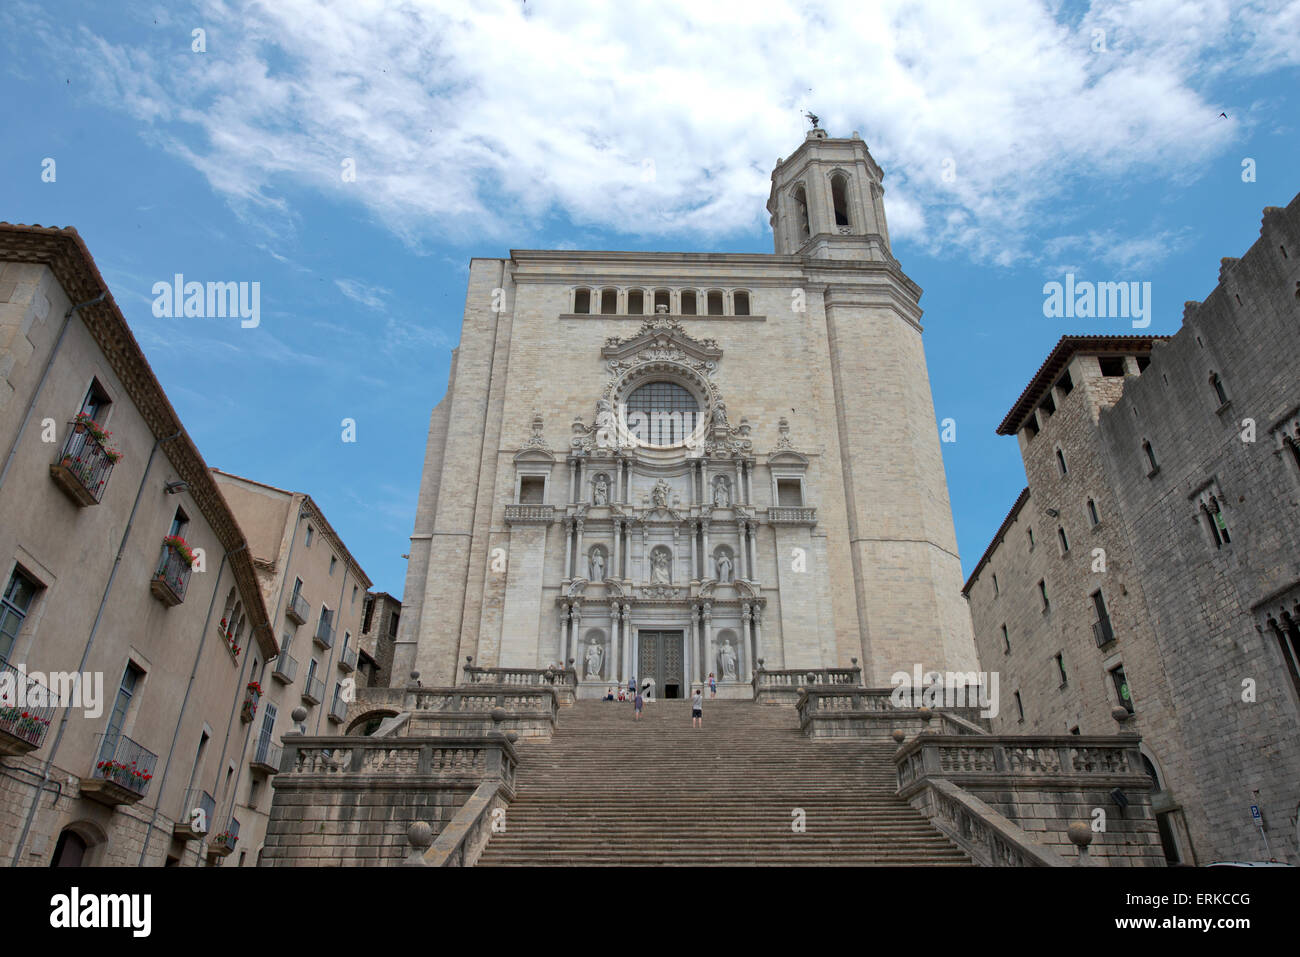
(660,571)
(606,425)
(594,655)
(721,492)
(659,494)
(597,563)
(727,658)
(724,567)
(601,493)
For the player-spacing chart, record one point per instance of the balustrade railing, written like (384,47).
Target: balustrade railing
(521,676)
(172,577)
(299,608)
(124,762)
(26,710)
(85,463)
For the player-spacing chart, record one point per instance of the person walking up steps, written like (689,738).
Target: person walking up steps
(713,685)
(636,706)
(697,708)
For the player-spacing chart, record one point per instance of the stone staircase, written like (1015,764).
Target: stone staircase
(606,790)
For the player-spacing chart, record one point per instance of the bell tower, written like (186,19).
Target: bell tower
(827,201)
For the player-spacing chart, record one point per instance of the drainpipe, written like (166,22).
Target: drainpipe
(85,654)
(194,671)
(36,393)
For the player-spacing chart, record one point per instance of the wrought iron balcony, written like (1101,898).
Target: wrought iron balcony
(1103,632)
(121,773)
(324,635)
(172,577)
(314,691)
(266,759)
(196,817)
(23,723)
(286,669)
(348,659)
(298,609)
(338,709)
(84,464)
(223,843)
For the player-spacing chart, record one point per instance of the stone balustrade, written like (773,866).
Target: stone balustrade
(350,800)
(565,682)
(873,714)
(792,515)
(530,711)
(782,686)
(1035,787)
(530,514)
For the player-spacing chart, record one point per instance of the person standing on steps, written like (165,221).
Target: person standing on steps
(697,708)
(636,706)
(713,685)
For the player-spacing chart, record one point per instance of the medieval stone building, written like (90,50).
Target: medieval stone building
(668,465)
(1153,562)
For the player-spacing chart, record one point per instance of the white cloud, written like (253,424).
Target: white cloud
(374,297)
(473,121)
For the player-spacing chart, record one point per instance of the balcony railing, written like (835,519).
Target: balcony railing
(298,609)
(22,724)
(172,577)
(121,772)
(286,669)
(84,464)
(338,709)
(1103,632)
(314,691)
(792,515)
(224,842)
(348,659)
(266,758)
(324,634)
(196,817)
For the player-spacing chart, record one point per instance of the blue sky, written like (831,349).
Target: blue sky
(1021,140)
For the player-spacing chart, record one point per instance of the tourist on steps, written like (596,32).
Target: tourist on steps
(636,705)
(609,694)
(697,708)
(713,685)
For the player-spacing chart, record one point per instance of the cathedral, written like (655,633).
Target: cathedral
(672,466)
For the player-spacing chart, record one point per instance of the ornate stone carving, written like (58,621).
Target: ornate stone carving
(723,562)
(595,654)
(661,566)
(535,440)
(728,661)
(600,490)
(659,495)
(596,563)
(721,491)
(783,443)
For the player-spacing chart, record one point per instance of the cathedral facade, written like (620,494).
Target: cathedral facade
(672,465)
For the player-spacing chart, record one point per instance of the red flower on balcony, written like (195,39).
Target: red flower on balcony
(181,548)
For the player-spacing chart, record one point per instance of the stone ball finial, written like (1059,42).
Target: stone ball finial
(420,835)
(571,660)
(469,659)
(1080,834)
(299,714)
(899,735)
(1120,713)
(760,664)
(415,676)
(854,661)
(812,677)
(498,714)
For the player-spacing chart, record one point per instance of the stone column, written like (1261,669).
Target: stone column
(581,494)
(645,542)
(575,617)
(580,571)
(706,612)
(708,558)
(568,548)
(564,633)
(633,671)
(742,557)
(751,550)
(573,480)
(611,656)
(758,634)
(627,644)
(738,493)
(695,553)
(617,571)
(744,652)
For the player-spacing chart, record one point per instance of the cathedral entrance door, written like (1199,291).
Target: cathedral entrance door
(660,658)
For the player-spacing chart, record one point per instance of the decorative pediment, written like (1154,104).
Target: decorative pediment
(662,339)
(784,453)
(536,448)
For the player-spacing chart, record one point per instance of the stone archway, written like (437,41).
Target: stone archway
(79,845)
(366,724)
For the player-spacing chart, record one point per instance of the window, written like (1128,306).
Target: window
(1006,641)
(996,590)
(740,302)
(1142,363)
(1112,366)
(1042,593)
(180,521)
(333,562)
(392,625)
(663,298)
(532,490)
(1217,384)
(1048,406)
(688,302)
(1151,458)
(1093,517)
(121,707)
(1030,533)
(1060,667)
(801,212)
(715,302)
(1122,691)
(1060,463)
(1020,707)
(839,199)
(662,413)
(1065,383)
(310,532)
(1215,521)
(582,301)
(1102,631)
(789,492)
(355,589)
(609,301)
(367,612)
(1065,542)
(14,606)
(96,403)
(635,302)
(1031,426)
(1075,729)
(1288,638)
